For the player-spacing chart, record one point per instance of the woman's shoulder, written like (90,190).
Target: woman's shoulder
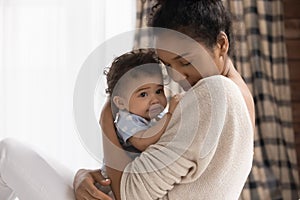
(212,92)
(218,92)
(233,95)
(216,81)
(216,85)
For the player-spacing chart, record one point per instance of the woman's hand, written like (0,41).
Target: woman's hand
(85,188)
(173,102)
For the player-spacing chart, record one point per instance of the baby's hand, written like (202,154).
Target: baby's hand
(173,102)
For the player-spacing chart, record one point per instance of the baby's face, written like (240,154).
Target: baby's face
(146,97)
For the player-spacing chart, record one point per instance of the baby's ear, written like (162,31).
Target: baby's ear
(119,102)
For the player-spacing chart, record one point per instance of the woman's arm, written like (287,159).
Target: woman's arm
(116,160)
(84,185)
(115,157)
(158,169)
(84,180)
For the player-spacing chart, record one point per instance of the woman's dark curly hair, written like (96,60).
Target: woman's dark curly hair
(200,19)
(125,63)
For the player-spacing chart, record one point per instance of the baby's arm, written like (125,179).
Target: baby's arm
(142,139)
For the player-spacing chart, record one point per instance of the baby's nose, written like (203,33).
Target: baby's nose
(154,99)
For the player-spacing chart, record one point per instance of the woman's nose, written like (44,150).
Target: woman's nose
(175,75)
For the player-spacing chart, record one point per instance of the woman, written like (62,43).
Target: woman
(206,151)
(211,164)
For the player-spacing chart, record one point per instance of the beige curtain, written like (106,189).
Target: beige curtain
(142,11)
(260,57)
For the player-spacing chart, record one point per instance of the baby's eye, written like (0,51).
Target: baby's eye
(143,94)
(159,91)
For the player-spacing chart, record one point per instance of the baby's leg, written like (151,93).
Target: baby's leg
(27,175)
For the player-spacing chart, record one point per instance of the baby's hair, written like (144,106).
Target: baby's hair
(202,20)
(125,63)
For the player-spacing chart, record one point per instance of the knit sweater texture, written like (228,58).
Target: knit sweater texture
(205,153)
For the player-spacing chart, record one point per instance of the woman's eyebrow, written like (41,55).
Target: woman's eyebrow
(180,56)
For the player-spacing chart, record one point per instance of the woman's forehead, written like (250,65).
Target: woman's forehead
(177,44)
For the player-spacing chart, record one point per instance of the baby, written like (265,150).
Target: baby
(136,90)
(135,86)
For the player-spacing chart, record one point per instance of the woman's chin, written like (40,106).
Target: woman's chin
(185,85)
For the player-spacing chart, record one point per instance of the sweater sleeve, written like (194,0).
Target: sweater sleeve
(175,157)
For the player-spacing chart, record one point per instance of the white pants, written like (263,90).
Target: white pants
(25,174)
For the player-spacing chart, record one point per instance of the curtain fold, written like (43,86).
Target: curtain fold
(143,8)
(260,57)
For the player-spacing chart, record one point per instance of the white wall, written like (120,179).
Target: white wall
(43,45)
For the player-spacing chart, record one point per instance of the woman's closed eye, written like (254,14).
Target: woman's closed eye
(182,63)
(185,62)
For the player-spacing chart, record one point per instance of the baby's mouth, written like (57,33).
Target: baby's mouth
(155,110)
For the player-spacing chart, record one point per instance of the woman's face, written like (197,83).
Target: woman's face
(187,61)
(180,69)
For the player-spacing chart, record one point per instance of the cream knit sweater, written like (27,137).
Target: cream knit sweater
(205,153)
